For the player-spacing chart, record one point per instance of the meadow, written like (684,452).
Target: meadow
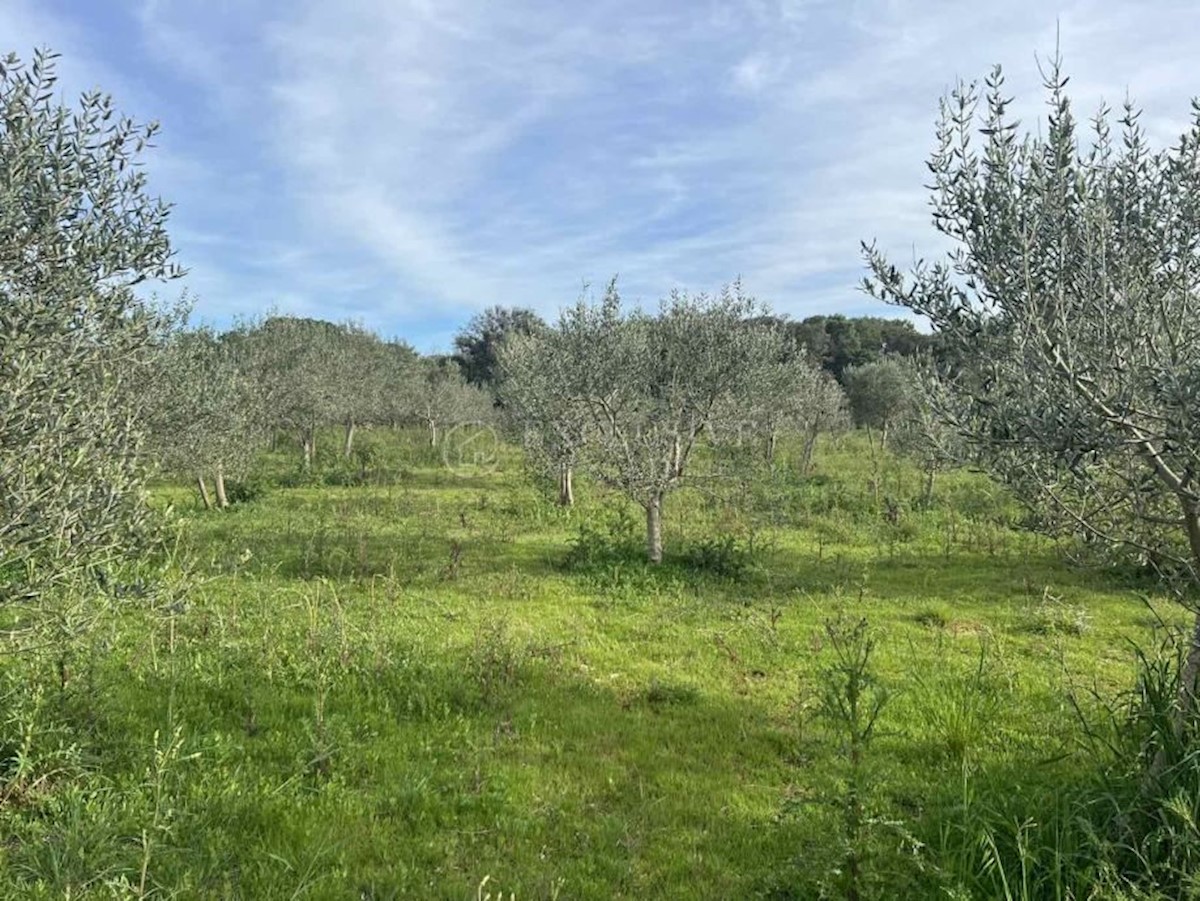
(397,678)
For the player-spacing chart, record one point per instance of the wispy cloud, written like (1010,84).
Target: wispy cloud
(410,161)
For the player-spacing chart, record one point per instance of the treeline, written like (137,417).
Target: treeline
(102,386)
(215,400)
(702,371)
(835,343)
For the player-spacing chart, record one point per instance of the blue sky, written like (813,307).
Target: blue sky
(406,163)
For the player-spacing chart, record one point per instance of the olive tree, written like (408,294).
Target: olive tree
(304,373)
(653,387)
(400,371)
(797,397)
(204,411)
(362,369)
(78,232)
(533,388)
(1070,300)
(442,398)
(819,409)
(879,395)
(923,433)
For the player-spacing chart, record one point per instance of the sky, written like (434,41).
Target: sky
(407,163)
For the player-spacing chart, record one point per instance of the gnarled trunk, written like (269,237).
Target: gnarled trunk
(654,548)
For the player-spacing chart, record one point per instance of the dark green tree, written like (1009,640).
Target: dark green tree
(839,342)
(477,347)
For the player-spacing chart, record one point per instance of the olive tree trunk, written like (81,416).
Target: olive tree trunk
(1191,668)
(654,546)
(204,498)
(930,473)
(875,476)
(1186,702)
(806,459)
(566,487)
(308,443)
(219,480)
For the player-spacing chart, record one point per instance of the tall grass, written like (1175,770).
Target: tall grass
(388,679)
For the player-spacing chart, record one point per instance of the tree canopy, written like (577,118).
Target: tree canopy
(78,231)
(839,342)
(638,392)
(1069,301)
(477,346)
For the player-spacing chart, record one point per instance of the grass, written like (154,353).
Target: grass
(413,687)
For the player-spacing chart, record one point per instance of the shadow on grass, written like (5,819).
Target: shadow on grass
(416,776)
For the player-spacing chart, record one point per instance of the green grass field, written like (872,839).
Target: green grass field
(437,684)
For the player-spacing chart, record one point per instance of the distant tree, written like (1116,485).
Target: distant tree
(477,346)
(534,388)
(880,395)
(203,411)
(653,387)
(1072,299)
(820,408)
(363,367)
(796,396)
(401,375)
(442,398)
(304,374)
(78,232)
(810,334)
(839,342)
(850,345)
(923,433)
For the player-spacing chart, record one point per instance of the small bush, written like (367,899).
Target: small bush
(244,491)
(614,540)
(1054,616)
(724,556)
(494,661)
(933,618)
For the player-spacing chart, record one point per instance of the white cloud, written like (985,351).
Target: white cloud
(754,73)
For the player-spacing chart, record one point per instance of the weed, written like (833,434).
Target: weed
(667,694)
(932,618)
(494,661)
(1054,616)
(849,700)
(616,540)
(723,556)
(959,707)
